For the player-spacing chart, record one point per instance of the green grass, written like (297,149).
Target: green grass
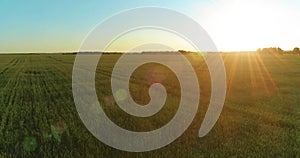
(260,118)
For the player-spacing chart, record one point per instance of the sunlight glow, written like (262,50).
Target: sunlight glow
(133,40)
(248,25)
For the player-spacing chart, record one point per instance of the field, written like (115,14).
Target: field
(260,118)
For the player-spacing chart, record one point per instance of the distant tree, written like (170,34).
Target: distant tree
(181,51)
(271,50)
(280,51)
(296,50)
(258,50)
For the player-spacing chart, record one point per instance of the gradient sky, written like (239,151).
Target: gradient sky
(58,26)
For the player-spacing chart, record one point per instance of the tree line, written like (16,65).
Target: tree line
(277,50)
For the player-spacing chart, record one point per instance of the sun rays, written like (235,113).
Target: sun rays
(260,75)
(251,70)
(232,72)
(266,72)
(252,76)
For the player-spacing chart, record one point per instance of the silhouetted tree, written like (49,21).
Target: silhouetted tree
(280,51)
(296,50)
(271,50)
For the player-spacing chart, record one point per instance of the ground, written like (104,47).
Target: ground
(260,118)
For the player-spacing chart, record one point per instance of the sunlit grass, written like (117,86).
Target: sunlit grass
(260,118)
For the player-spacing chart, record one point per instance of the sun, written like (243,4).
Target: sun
(248,25)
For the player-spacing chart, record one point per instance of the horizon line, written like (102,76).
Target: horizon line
(91,51)
(59,52)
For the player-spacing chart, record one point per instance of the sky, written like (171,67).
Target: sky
(62,25)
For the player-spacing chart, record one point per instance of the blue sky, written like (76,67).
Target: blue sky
(57,25)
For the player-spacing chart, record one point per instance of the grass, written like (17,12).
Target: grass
(260,118)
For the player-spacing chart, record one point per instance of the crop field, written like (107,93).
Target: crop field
(260,117)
